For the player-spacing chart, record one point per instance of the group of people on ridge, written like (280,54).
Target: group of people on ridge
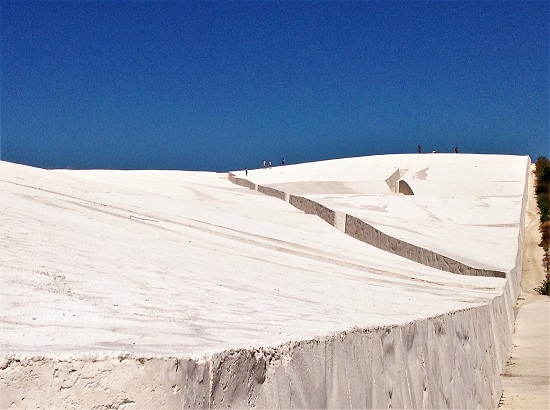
(420,150)
(265,164)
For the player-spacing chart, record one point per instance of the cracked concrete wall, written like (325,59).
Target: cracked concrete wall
(271,192)
(364,232)
(311,207)
(448,361)
(241,181)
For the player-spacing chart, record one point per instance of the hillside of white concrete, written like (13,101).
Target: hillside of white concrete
(181,289)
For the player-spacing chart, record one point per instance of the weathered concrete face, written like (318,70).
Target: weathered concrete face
(448,361)
(311,207)
(189,292)
(364,232)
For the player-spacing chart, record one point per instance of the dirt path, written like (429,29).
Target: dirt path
(526,381)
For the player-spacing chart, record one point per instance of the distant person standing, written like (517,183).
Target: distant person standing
(419,149)
(264,164)
(283,161)
(246,171)
(269,164)
(456,150)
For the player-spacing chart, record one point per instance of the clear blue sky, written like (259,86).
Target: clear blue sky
(221,85)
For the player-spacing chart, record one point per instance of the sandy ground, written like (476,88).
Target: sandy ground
(526,381)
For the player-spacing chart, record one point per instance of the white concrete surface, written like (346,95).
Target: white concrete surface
(167,289)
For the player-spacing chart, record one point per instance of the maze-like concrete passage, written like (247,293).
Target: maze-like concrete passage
(161,289)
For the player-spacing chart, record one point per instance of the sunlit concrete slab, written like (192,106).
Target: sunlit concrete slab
(170,288)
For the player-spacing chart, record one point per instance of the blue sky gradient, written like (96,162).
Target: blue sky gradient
(224,85)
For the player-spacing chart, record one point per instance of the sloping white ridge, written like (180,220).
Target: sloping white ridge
(166,289)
